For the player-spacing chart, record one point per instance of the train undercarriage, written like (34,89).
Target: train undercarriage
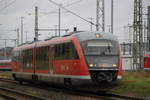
(98,81)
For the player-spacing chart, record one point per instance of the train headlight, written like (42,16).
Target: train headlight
(92,65)
(114,65)
(98,35)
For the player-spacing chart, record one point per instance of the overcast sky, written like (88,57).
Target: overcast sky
(48,16)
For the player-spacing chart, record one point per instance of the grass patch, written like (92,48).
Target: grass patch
(134,84)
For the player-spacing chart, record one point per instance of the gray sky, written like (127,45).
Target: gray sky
(48,16)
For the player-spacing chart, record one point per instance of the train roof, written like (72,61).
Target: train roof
(81,35)
(5,61)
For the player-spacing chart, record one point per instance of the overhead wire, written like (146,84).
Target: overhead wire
(73,3)
(8,5)
(47,13)
(71,12)
(70,4)
(54,11)
(1,1)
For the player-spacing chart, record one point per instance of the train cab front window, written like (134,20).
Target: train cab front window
(101,47)
(101,53)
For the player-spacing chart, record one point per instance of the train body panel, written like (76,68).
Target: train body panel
(69,60)
(147,62)
(5,65)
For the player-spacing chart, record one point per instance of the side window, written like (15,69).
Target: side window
(26,58)
(74,53)
(41,54)
(65,51)
(42,58)
(15,56)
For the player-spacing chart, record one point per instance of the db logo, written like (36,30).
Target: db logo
(63,68)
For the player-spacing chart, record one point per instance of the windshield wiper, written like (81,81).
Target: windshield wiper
(108,48)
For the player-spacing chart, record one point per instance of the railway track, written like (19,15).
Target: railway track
(107,95)
(11,94)
(101,95)
(5,97)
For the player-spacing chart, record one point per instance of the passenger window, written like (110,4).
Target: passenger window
(26,58)
(65,51)
(42,57)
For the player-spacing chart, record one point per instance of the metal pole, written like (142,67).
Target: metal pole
(112,9)
(100,15)
(59,21)
(91,26)
(36,24)
(97,16)
(5,50)
(91,23)
(55,30)
(15,42)
(26,36)
(109,28)
(148,27)
(21,29)
(17,36)
(144,37)
(138,35)
(103,13)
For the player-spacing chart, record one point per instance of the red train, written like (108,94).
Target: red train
(80,60)
(5,65)
(147,62)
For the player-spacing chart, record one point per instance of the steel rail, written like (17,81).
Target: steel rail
(21,93)
(100,94)
(7,97)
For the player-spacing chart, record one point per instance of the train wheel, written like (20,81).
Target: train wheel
(14,76)
(68,84)
(34,79)
(20,82)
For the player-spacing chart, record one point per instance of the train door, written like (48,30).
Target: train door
(51,58)
(34,63)
(26,65)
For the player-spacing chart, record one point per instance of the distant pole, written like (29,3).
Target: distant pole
(112,15)
(103,13)
(36,24)
(5,54)
(26,36)
(91,23)
(59,20)
(148,27)
(55,30)
(100,15)
(21,29)
(15,42)
(17,36)
(66,30)
(130,33)
(138,35)
(109,28)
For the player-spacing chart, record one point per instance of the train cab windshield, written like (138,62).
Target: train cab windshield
(100,47)
(101,53)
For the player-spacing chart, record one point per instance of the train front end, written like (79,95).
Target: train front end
(102,55)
